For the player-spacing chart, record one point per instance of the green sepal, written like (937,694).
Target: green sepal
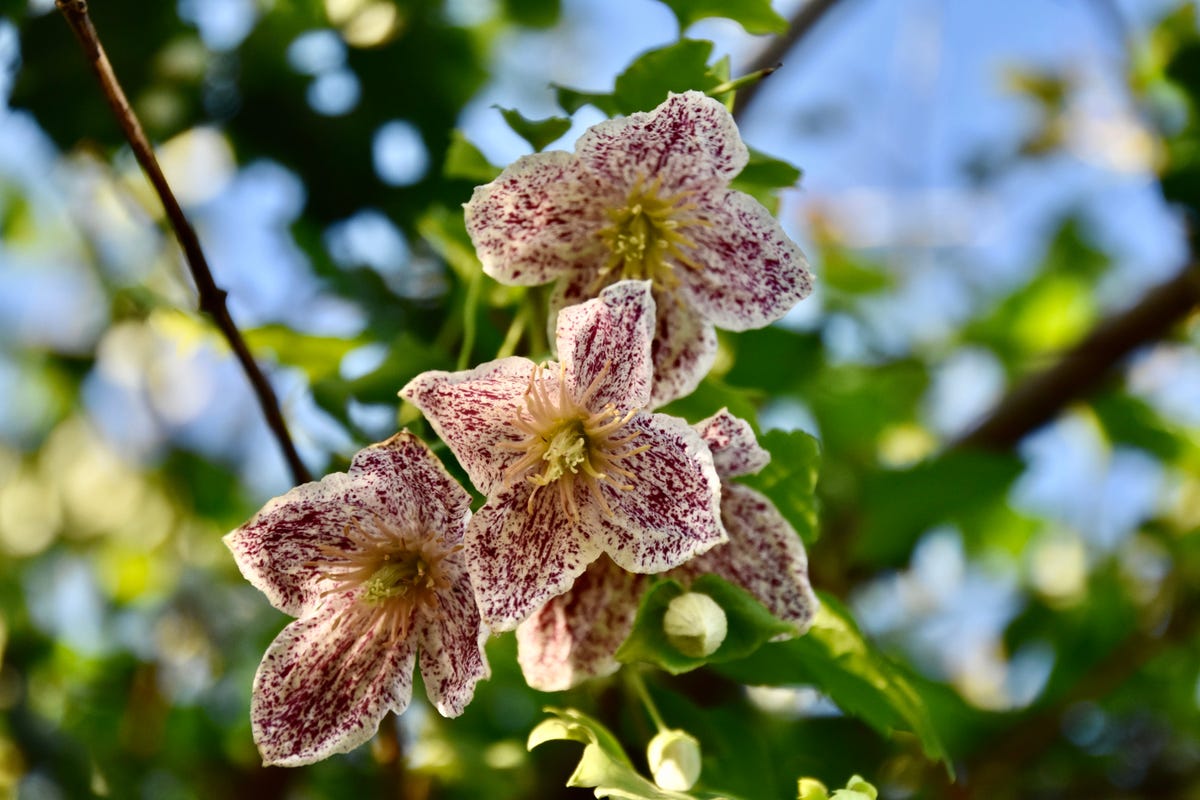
(750,625)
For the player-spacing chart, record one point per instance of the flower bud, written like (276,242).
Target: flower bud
(674,758)
(812,789)
(695,625)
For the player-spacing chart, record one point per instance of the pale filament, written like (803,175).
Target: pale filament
(648,236)
(389,573)
(572,444)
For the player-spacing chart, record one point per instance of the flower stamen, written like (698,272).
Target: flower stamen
(390,573)
(567,444)
(649,235)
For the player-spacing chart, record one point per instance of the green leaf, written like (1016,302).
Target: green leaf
(604,764)
(763,175)
(750,626)
(538,132)
(790,479)
(835,658)
(465,161)
(710,397)
(675,68)
(446,233)
(533,13)
(571,100)
(318,356)
(756,16)
(901,505)
(846,271)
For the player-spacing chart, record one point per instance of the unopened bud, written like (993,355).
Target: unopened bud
(695,625)
(674,758)
(812,789)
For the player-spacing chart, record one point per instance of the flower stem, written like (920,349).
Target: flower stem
(639,686)
(470,312)
(516,330)
(211,296)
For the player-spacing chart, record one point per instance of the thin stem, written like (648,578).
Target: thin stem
(804,20)
(211,296)
(516,330)
(737,83)
(639,686)
(470,311)
(1041,397)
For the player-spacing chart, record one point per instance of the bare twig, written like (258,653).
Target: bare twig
(799,26)
(1041,397)
(211,296)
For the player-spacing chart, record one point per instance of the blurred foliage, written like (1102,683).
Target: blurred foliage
(128,641)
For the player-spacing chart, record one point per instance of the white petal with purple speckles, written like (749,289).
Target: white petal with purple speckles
(734,447)
(688,142)
(452,640)
(764,556)
(575,635)
(520,554)
(750,273)
(276,548)
(611,335)
(322,688)
(672,510)
(472,411)
(536,219)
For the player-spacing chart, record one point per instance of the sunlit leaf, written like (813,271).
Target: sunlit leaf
(676,68)
(538,132)
(790,479)
(756,16)
(318,356)
(464,160)
(835,658)
(604,764)
(901,505)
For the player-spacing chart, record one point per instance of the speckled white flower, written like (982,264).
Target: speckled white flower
(571,465)
(646,197)
(370,562)
(574,636)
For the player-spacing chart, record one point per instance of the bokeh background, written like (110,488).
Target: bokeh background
(983,184)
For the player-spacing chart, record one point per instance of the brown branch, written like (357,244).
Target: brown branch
(211,296)
(802,22)
(1043,396)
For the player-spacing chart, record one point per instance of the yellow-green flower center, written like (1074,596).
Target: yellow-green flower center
(649,235)
(397,576)
(566,452)
(389,572)
(566,444)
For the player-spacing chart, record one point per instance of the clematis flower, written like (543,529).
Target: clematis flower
(646,197)
(370,562)
(574,636)
(571,465)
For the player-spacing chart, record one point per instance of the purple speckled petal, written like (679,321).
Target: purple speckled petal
(538,219)
(684,349)
(323,688)
(689,142)
(408,484)
(519,558)
(276,548)
(472,411)
(574,636)
(452,640)
(610,334)
(750,273)
(764,556)
(672,513)
(734,446)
